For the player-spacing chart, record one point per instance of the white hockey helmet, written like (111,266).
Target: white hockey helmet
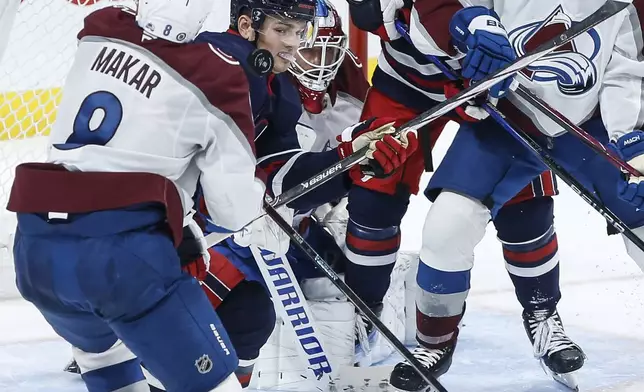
(173,20)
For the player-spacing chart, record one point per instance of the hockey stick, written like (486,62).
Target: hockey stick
(562,173)
(574,129)
(607,10)
(301,244)
(293,308)
(610,8)
(536,148)
(540,105)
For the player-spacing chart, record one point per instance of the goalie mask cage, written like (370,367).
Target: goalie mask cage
(37,46)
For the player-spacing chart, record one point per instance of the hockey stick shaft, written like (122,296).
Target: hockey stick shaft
(574,129)
(544,108)
(536,148)
(308,250)
(610,8)
(570,180)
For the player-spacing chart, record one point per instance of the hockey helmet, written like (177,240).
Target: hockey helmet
(173,20)
(316,66)
(289,9)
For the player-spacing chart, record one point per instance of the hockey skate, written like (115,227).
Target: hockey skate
(436,360)
(560,357)
(72,367)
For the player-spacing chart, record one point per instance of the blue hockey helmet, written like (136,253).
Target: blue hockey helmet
(290,9)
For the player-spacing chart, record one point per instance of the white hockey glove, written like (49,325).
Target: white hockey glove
(266,234)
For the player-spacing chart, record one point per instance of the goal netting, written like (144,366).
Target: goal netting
(37,46)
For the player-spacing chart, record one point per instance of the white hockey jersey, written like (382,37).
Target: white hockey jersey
(134,104)
(600,70)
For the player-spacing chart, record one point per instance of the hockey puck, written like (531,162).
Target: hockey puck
(261,61)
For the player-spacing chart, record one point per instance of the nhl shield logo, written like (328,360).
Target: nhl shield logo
(203,364)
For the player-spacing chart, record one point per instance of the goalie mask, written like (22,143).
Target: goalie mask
(316,66)
(176,21)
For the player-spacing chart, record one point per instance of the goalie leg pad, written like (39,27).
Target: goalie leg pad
(527,234)
(454,226)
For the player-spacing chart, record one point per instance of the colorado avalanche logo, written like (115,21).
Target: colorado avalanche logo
(571,66)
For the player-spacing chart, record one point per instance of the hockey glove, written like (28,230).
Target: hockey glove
(266,234)
(198,268)
(477,32)
(469,111)
(376,16)
(193,245)
(630,148)
(386,152)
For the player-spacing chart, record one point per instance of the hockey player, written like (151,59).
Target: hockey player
(280,28)
(596,82)
(143,118)
(406,87)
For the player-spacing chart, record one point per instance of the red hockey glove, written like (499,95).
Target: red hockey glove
(386,152)
(468,111)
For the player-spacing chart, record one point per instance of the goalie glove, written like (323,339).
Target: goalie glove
(386,152)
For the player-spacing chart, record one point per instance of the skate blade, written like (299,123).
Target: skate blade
(568,380)
(72,367)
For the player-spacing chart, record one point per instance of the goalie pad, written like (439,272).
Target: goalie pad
(279,367)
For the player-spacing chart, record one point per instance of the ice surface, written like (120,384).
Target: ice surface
(602,309)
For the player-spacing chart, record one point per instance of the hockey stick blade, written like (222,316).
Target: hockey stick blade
(301,243)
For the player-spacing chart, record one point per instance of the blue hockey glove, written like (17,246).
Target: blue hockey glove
(630,148)
(477,32)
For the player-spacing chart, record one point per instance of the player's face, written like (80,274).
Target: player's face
(281,37)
